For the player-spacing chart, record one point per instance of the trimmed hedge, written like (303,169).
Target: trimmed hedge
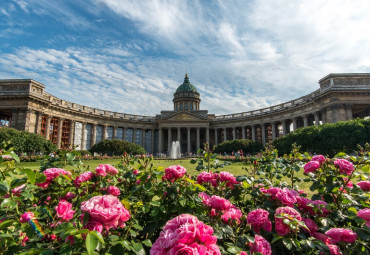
(327,139)
(248,146)
(117,148)
(25,142)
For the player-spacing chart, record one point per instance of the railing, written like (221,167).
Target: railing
(275,108)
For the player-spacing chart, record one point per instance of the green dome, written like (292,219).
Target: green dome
(186,86)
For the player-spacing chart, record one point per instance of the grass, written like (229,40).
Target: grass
(236,168)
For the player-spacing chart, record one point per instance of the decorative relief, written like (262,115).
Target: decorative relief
(325,84)
(183,116)
(352,81)
(21,87)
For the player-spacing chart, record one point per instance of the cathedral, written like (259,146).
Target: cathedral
(25,105)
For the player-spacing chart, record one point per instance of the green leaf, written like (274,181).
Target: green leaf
(9,203)
(6,223)
(40,178)
(98,235)
(288,243)
(15,156)
(147,243)
(137,246)
(4,187)
(30,174)
(91,243)
(65,250)
(275,239)
(234,249)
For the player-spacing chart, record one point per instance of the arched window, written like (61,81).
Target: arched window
(181,106)
(186,106)
(191,106)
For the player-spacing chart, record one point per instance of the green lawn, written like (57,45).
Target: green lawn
(235,168)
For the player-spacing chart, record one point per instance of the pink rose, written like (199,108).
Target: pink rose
(243,253)
(107,210)
(206,198)
(311,225)
(204,177)
(345,167)
(185,234)
(228,178)
(135,172)
(232,214)
(326,239)
(51,174)
(26,217)
(101,170)
(64,210)
(288,213)
(111,170)
(113,191)
(334,250)
(364,185)
(84,177)
(220,203)
(173,173)
(365,214)
(287,197)
(18,190)
(311,166)
(259,219)
(94,225)
(319,158)
(260,245)
(341,235)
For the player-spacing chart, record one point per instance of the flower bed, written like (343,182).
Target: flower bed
(133,208)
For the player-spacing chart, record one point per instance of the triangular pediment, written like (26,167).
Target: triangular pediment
(184,116)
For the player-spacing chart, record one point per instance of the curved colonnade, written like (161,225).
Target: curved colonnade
(25,105)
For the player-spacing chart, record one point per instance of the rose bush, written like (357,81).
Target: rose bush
(135,208)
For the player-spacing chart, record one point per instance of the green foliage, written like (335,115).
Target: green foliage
(207,160)
(117,148)
(327,139)
(248,146)
(25,142)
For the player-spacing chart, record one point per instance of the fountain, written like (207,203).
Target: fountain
(175,150)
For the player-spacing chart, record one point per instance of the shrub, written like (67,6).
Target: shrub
(248,146)
(25,142)
(328,139)
(117,148)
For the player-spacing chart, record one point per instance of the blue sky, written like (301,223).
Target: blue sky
(130,56)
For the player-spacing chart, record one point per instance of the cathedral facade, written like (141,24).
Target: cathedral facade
(25,105)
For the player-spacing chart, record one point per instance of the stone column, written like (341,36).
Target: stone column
(93,135)
(207,135)
(317,118)
(143,132)
(160,147)
(124,135)
(133,135)
(179,135)
(234,133)
(114,132)
(105,131)
(305,120)
(169,140)
(285,131)
(47,129)
(348,108)
(263,133)
(14,122)
(83,136)
(273,130)
(294,124)
(60,129)
(253,130)
(243,132)
(39,122)
(188,137)
(324,116)
(198,138)
(225,135)
(152,138)
(216,142)
(72,132)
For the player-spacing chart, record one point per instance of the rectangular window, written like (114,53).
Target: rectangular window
(66,128)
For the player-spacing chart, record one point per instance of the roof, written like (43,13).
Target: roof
(186,86)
